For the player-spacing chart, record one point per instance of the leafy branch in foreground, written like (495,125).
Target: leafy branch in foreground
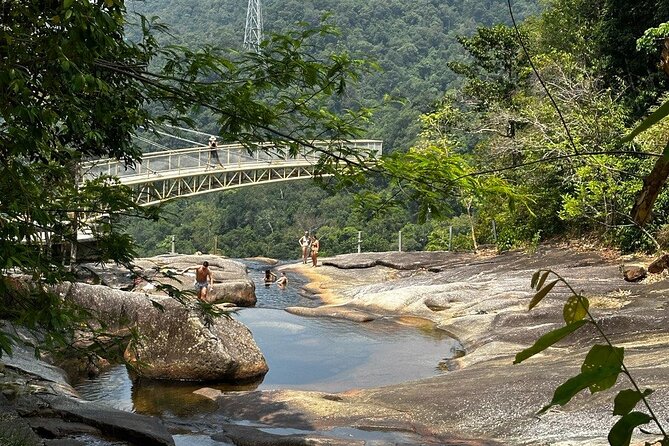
(601,366)
(74,87)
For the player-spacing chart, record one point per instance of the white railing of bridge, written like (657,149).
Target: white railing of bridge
(231,156)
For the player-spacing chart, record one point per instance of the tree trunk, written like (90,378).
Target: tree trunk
(652,186)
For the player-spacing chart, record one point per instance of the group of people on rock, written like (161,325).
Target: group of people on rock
(310,246)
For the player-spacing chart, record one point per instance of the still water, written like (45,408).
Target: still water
(302,353)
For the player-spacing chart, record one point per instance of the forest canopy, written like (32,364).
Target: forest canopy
(457,94)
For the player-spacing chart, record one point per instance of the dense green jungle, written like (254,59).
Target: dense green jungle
(505,124)
(452,93)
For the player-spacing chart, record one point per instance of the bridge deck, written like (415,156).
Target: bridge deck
(170,174)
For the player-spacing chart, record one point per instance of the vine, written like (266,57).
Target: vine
(601,367)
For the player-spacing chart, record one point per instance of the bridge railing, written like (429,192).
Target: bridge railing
(188,160)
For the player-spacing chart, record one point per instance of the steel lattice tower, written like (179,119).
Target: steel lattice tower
(253,32)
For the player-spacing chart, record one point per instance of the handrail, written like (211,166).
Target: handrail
(190,159)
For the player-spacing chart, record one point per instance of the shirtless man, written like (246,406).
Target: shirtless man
(203,280)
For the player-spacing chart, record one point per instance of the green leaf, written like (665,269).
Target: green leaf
(650,121)
(67,4)
(626,400)
(541,294)
(575,309)
(535,278)
(566,391)
(548,339)
(5,344)
(603,357)
(621,432)
(543,278)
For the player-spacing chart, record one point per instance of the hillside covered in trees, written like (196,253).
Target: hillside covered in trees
(455,94)
(409,42)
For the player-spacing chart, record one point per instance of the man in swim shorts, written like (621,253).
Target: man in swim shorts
(203,280)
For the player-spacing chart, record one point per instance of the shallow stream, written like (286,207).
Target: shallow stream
(302,353)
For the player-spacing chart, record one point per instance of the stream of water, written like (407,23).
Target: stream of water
(302,353)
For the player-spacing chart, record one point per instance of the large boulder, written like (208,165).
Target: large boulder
(231,281)
(178,344)
(175,341)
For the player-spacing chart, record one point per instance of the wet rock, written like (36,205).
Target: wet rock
(208,392)
(250,436)
(45,407)
(59,428)
(126,426)
(24,360)
(334,311)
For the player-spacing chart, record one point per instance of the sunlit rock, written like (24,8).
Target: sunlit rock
(156,275)
(175,341)
(178,344)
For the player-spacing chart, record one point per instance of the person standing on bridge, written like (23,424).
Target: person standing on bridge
(304,244)
(204,280)
(213,152)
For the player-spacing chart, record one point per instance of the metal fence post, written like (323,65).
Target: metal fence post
(450,238)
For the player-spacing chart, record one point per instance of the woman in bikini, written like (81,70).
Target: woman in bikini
(315,246)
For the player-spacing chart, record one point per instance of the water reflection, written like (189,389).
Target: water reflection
(335,355)
(177,399)
(302,353)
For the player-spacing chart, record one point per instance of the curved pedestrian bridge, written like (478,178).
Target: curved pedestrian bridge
(169,174)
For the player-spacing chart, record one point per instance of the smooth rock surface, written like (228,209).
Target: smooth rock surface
(231,283)
(43,410)
(483,301)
